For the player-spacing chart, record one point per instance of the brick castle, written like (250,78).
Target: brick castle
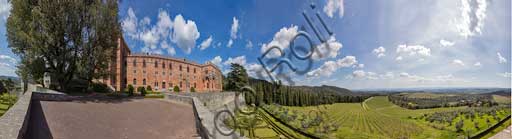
(161,72)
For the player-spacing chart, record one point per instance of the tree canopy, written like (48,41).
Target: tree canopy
(70,39)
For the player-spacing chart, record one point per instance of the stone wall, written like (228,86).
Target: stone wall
(216,100)
(13,122)
(205,115)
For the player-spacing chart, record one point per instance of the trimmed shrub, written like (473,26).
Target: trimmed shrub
(149,88)
(192,89)
(141,90)
(100,88)
(154,96)
(130,90)
(176,89)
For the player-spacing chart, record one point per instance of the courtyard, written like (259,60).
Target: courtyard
(111,118)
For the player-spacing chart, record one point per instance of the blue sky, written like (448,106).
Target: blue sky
(376,44)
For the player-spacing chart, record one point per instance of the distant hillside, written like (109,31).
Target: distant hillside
(15,79)
(505,93)
(323,88)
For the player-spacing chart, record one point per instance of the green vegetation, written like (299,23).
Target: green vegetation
(498,129)
(501,99)
(430,100)
(176,89)
(192,89)
(466,122)
(154,96)
(237,78)
(6,102)
(262,125)
(268,93)
(130,90)
(148,88)
(375,118)
(100,88)
(70,40)
(141,90)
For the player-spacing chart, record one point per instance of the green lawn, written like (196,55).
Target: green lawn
(6,100)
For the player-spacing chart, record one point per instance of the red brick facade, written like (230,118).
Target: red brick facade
(161,72)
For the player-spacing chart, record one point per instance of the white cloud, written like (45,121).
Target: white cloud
(150,38)
(412,50)
(505,74)
(477,64)
(281,39)
(445,43)
(206,43)
(164,24)
(170,49)
(333,6)
(249,45)
(379,51)
(360,66)
(501,59)
(185,34)
(472,17)
(7,58)
(234,28)
(129,24)
(328,49)
(230,43)
(239,60)
(329,67)
(256,71)
(358,74)
(5,9)
(217,61)
(399,58)
(458,62)
(284,36)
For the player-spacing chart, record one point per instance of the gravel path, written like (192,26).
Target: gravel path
(136,118)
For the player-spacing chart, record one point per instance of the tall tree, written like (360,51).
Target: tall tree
(237,78)
(70,38)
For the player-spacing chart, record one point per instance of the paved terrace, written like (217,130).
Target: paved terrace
(111,119)
(42,113)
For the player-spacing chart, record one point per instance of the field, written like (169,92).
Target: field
(379,118)
(501,99)
(6,101)
(376,117)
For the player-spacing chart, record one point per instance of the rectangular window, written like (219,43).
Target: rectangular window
(188,69)
(134,63)
(194,70)
(134,71)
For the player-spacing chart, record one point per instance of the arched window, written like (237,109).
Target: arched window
(134,81)
(163,65)
(156,64)
(143,81)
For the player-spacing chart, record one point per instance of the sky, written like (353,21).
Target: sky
(374,44)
